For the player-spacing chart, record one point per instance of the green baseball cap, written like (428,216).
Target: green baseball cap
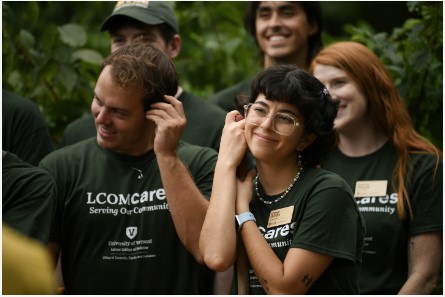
(148,12)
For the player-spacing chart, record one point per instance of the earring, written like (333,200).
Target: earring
(300,164)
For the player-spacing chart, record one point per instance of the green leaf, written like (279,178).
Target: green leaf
(68,76)
(72,34)
(26,38)
(89,56)
(420,59)
(15,79)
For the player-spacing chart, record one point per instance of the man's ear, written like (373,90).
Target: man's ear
(313,27)
(174,46)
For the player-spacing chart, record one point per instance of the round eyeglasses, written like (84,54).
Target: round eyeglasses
(256,114)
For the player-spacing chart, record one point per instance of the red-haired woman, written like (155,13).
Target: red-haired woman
(395,173)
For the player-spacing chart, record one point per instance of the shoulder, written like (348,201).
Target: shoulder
(71,154)
(78,130)
(13,165)
(425,173)
(195,155)
(15,106)
(322,183)
(226,97)
(188,150)
(194,104)
(11,100)
(322,177)
(425,160)
(240,88)
(20,180)
(84,121)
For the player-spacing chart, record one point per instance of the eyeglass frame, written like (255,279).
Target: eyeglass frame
(246,108)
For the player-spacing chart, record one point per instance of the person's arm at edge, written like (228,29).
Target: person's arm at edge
(424,258)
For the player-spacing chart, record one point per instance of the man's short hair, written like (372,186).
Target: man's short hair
(141,65)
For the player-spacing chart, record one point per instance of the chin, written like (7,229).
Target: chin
(104,144)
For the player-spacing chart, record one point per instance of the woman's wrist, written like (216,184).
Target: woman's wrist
(241,208)
(226,165)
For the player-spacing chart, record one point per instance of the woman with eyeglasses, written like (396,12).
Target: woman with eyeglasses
(299,224)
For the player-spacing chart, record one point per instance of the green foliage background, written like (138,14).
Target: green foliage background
(52,53)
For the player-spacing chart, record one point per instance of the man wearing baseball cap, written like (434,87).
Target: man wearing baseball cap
(155,22)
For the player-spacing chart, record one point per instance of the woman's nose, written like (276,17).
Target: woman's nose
(268,122)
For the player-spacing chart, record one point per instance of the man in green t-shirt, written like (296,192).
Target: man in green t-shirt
(156,23)
(131,201)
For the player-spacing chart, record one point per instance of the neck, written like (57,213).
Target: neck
(361,142)
(298,60)
(276,179)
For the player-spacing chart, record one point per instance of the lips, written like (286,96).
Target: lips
(341,110)
(276,39)
(263,137)
(105,133)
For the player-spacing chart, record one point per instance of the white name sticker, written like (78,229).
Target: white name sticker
(370,188)
(280,216)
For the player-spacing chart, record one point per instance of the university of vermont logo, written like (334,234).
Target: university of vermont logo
(131,232)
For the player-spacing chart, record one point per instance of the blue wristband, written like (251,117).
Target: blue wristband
(244,217)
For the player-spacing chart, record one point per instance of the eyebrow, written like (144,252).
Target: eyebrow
(281,110)
(112,107)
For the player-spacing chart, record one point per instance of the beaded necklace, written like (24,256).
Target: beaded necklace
(284,194)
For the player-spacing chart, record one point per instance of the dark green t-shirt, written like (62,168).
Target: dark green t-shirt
(385,264)
(326,220)
(28,197)
(205,122)
(25,132)
(226,97)
(114,225)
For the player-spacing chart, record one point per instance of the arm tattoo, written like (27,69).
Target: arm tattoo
(307,280)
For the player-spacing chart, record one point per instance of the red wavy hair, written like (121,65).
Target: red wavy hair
(386,107)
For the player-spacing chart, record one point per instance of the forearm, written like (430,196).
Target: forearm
(218,236)
(419,284)
(187,204)
(267,266)
(424,258)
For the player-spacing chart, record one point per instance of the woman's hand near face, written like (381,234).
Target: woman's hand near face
(233,145)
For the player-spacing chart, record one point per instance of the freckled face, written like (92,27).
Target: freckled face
(119,117)
(353,104)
